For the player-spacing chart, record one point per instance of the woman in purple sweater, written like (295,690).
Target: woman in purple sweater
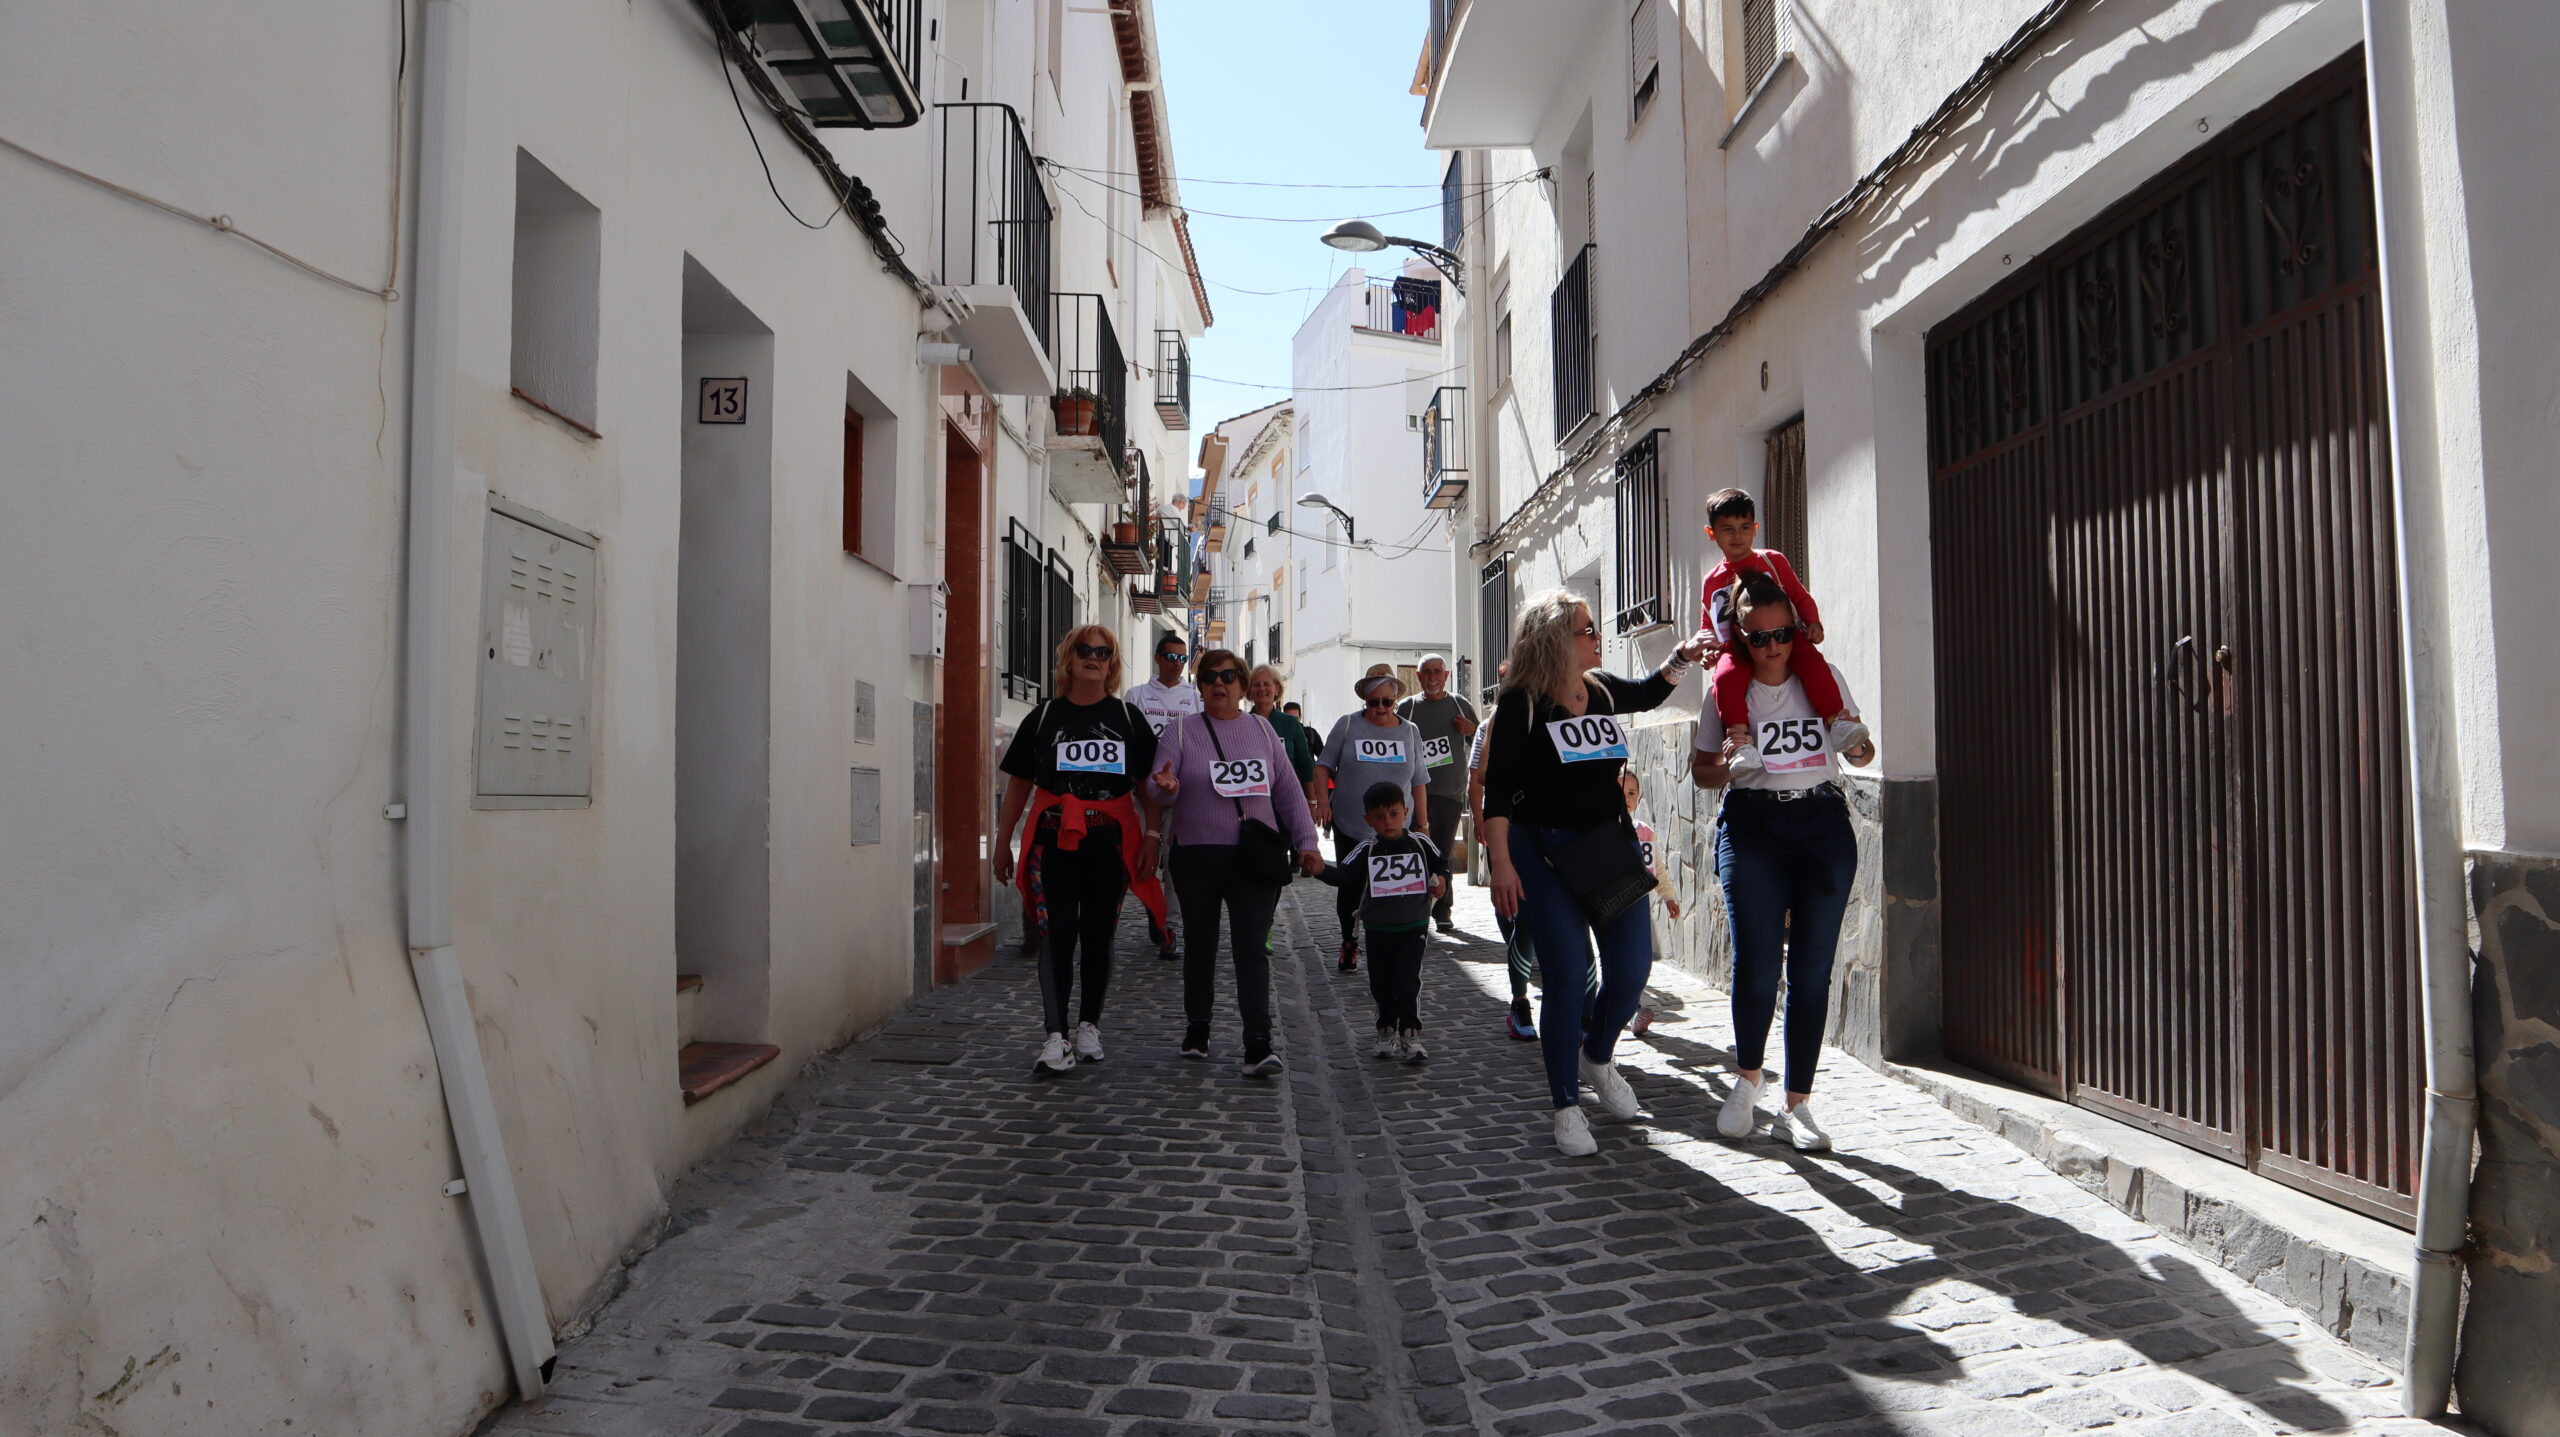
(1215,769)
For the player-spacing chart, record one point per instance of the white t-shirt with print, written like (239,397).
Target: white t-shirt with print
(1162,704)
(1795,744)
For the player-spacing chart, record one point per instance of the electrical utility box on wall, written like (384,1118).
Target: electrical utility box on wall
(928,615)
(537,662)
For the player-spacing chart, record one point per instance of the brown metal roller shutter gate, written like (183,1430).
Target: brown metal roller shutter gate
(2174,834)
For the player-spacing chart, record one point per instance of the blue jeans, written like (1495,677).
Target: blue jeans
(1787,868)
(1562,933)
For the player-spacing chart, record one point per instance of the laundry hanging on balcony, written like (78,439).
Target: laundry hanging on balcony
(1417,308)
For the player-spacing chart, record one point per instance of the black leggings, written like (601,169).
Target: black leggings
(1395,978)
(1205,876)
(1083,888)
(1346,899)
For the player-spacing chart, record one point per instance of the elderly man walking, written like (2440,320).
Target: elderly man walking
(1447,723)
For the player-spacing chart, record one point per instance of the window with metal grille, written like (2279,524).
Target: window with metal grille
(1060,615)
(1782,510)
(1644,58)
(1641,604)
(1453,201)
(1024,598)
(1493,622)
(1569,315)
(1760,25)
(1275,642)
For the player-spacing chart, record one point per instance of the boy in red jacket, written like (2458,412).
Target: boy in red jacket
(1734,523)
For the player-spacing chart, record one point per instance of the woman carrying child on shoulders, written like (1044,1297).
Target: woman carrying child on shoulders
(1734,525)
(1565,857)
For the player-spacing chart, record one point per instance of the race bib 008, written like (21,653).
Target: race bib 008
(1588,739)
(1397,875)
(1794,745)
(1239,778)
(1377,750)
(1438,752)
(1092,755)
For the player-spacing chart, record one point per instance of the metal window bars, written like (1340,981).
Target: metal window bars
(1640,525)
(1493,622)
(1025,570)
(1444,448)
(1093,374)
(996,218)
(1173,379)
(1569,315)
(847,64)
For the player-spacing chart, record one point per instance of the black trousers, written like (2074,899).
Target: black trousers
(1082,888)
(1346,899)
(1205,877)
(1445,813)
(1395,978)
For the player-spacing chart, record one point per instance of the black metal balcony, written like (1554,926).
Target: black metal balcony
(995,217)
(1444,448)
(1173,379)
(1406,306)
(1089,450)
(1569,317)
(847,64)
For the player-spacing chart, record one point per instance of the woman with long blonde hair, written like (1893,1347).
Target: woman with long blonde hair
(1565,858)
(1075,764)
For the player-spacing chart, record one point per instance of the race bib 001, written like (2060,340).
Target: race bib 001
(1794,745)
(1092,755)
(1397,875)
(1377,750)
(1438,752)
(1239,778)
(1588,739)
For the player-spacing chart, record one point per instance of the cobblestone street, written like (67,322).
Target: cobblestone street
(922,1238)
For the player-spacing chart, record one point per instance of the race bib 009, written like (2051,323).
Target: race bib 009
(1377,750)
(1588,739)
(1794,745)
(1438,752)
(1397,875)
(1239,778)
(1092,755)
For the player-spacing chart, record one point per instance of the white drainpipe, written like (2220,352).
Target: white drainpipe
(2444,945)
(435,306)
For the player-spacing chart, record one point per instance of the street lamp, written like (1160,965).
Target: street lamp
(1350,531)
(1362,237)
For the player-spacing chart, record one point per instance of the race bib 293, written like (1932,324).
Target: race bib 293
(1239,778)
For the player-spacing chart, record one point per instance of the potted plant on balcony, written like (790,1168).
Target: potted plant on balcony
(1079,412)
(1125,531)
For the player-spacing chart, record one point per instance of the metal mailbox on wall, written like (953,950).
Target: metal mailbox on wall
(537,660)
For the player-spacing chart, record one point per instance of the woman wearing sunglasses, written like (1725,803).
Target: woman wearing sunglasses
(1786,857)
(1235,802)
(1075,764)
(1370,747)
(1564,856)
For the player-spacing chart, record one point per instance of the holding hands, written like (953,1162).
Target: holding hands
(1311,863)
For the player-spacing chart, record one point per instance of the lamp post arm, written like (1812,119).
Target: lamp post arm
(1442,260)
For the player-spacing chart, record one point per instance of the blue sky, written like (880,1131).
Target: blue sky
(1304,92)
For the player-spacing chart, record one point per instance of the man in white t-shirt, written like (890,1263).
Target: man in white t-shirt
(1164,697)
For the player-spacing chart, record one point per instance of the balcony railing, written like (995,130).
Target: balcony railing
(1444,448)
(1173,379)
(848,64)
(1410,307)
(1092,402)
(1569,315)
(996,218)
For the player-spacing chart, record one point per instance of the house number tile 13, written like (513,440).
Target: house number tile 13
(724,401)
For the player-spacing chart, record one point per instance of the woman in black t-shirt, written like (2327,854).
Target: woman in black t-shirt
(1075,763)
(1551,777)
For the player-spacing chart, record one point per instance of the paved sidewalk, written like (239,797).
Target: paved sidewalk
(922,1238)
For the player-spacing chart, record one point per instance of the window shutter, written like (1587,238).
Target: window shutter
(1644,57)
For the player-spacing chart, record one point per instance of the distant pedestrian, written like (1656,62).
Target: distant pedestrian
(1565,857)
(1371,746)
(1075,764)
(1240,824)
(1264,690)
(1446,722)
(1164,697)
(1786,857)
(1394,876)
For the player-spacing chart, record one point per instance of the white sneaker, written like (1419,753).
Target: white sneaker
(1266,1066)
(1847,734)
(1055,1057)
(1390,1044)
(1573,1134)
(1414,1052)
(1740,1112)
(1615,1096)
(1797,1125)
(1746,761)
(1088,1043)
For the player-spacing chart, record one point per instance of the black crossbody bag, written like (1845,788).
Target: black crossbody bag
(1263,854)
(1602,867)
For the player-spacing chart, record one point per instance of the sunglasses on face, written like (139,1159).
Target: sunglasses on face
(1587,631)
(1222,676)
(1093,651)
(1381,703)
(1763,638)
(1172,656)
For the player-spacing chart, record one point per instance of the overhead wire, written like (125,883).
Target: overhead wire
(1102,178)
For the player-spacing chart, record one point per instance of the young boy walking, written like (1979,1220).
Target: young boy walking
(1396,875)
(1734,524)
